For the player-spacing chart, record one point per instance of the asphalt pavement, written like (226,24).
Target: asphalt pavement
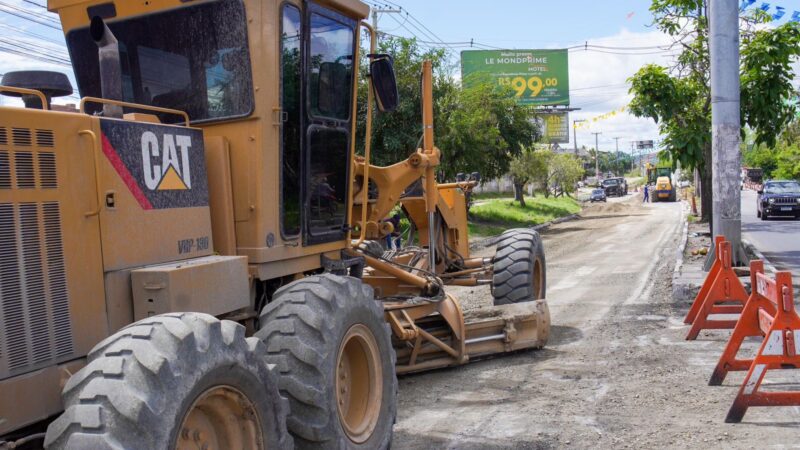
(777,238)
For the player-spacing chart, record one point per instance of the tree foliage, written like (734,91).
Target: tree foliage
(780,161)
(478,130)
(565,172)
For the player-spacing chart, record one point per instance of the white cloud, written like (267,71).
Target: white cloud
(608,72)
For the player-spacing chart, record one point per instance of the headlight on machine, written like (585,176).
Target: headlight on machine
(798,199)
(771,201)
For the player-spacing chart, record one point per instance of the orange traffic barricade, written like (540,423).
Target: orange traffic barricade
(772,312)
(721,293)
(747,326)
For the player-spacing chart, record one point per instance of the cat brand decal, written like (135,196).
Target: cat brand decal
(163,166)
(171,173)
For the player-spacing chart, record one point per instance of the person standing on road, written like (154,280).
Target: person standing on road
(646,194)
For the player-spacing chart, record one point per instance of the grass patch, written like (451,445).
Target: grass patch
(494,216)
(491,195)
(484,229)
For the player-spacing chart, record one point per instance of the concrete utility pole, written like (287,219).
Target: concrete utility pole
(616,155)
(596,155)
(726,159)
(575,133)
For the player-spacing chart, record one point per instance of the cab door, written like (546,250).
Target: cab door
(330,40)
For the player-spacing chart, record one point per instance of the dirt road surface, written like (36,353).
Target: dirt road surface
(616,373)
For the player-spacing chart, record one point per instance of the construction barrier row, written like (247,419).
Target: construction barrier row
(767,312)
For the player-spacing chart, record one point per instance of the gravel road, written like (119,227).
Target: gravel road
(616,373)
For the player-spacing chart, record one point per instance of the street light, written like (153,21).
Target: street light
(575,133)
(597,155)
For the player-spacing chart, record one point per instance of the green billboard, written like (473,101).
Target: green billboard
(536,77)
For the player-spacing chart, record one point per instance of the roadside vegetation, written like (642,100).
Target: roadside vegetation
(496,215)
(779,161)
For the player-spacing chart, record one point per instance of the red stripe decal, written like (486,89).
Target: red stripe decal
(123,172)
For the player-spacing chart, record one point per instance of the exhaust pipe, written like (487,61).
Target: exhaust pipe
(110,66)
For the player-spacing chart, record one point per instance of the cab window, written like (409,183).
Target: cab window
(193,59)
(291,129)
(329,62)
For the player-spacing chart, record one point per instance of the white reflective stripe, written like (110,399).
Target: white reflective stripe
(774,345)
(796,340)
(751,382)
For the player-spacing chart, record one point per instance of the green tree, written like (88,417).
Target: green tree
(478,130)
(565,171)
(527,166)
(679,98)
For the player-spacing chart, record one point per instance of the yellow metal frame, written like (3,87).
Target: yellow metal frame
(105,101)
(24,91)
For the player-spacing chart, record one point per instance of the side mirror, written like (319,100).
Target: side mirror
(384,83)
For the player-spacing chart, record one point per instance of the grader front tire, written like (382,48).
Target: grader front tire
(520,272)
(332,348)
(175,381)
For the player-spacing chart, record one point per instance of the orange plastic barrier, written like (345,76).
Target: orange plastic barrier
(771,311)
(747,326)
(721,293)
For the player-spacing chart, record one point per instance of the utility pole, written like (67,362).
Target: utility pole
(376,11)
(596,155)
(575,133)
(725,125)
(616,156)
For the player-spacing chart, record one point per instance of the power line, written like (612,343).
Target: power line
(35,4)
(32,34)
(31,13)
(37,50)
(22,15)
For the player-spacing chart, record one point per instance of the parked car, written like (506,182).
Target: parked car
(598,195)
(615,186)
(778,198)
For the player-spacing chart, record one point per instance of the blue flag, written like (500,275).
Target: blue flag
(746,4)
(779,13)
(796,16)
(764,6)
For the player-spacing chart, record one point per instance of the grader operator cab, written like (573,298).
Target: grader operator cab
(192,258)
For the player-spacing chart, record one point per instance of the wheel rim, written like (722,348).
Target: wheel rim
(537,279)
(221,417)
(358,383)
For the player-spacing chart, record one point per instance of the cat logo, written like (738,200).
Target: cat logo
(163,170)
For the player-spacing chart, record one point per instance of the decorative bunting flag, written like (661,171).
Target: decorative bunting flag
(604,116)
(780,11)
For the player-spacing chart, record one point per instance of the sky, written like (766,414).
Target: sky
(598,81)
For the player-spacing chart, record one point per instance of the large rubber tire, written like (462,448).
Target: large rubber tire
(142,382)
(520,271)
(304,328)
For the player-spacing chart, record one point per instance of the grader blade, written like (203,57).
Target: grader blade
(506,328)
(434,335)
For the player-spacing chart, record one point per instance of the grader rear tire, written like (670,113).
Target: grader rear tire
(174,381)
(332,348)
(519,267)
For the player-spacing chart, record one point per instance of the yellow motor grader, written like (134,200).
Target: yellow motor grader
(194,256)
